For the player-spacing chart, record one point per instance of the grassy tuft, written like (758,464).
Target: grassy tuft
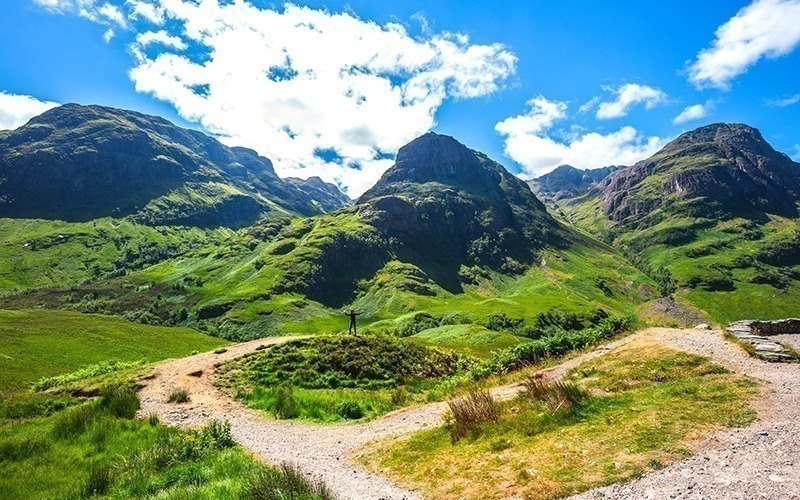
(179,395)
(466,413)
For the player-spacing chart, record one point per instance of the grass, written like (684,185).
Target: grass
(640,407)
(98,450)
(334,378)
(474,340)
(41,344)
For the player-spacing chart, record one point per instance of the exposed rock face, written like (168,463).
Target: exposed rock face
(450,204)
(328,197)
(82,162)
(567,181)
(717,171)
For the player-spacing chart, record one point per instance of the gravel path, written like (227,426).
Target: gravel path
(749,463)
(760,461)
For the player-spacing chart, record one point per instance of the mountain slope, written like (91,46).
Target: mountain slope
(78,163)
(446,232)
(567,181)
(328,197)
(449,205)
(716,171)
(712,216)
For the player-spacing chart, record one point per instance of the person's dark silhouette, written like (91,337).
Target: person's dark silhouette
(353,315)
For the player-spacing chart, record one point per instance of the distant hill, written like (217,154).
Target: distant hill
(78,163)
(567,181)
(718,171)
(712,216)
(328,197)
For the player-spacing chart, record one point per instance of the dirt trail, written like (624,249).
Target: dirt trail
(760,461)
(324,451)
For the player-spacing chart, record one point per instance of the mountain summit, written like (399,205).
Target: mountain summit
(716,171)
(83,162)
(448,203)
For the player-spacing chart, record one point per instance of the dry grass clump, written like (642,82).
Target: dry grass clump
(556,395)
(468,412)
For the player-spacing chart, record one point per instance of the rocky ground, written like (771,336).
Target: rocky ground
(760,461)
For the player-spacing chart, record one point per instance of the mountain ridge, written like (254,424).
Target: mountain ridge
(80,162)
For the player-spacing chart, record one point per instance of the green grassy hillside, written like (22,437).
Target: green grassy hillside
(41,343)
(37,253)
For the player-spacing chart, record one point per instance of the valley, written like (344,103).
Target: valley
(208,304)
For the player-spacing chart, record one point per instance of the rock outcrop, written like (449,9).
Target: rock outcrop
(757,333)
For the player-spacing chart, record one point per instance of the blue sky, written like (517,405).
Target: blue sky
(537,83)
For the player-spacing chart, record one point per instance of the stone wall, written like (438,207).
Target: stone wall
(777,327)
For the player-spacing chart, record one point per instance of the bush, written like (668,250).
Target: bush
(219,434)
(288,483)
(556,343)
(120,401)
(347,362)
(468,412)
(556,395)
(399,396)
(285,404)
(499,322)
(179,395)
(419,322)
(350,410)
(556,317)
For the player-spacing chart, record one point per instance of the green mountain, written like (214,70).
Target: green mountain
(713,216)
(566,181)
(446,232)
(328,197)
(78,163)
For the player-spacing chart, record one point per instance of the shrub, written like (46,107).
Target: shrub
(120,401)
(350,410)
(399,396)
(556,395)
(556,343)
(468,412)
(218,434)
(556,317)
(285,404)
(87,372)
(178,395)
(367,362)
(288,482)
(417,323)
(499,322)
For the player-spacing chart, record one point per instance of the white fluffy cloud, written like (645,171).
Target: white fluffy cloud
(318,92)
(529,141)
(160,37)
(693,112)
(764,29)
(16,110)
(628,96)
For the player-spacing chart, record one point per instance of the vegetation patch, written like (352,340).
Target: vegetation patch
(637,408)
(336,378)
(98,450)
